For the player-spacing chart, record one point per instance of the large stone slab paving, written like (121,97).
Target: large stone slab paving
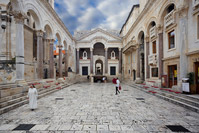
(94,108)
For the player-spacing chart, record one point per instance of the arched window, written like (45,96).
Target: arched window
(113,55)
(84,55)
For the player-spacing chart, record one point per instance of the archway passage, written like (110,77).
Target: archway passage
(99,67)
(99,49)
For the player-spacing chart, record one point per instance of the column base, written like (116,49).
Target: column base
(138,81)
(21,83)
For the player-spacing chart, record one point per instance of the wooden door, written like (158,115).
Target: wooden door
(197,76)
(172,72)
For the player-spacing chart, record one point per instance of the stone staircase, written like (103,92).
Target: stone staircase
(191,103)
(13,97)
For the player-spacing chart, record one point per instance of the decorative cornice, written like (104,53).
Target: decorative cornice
(140,16)
(52,11)
(98,30)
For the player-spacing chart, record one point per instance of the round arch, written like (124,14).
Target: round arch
(148,24)
(162,11)
(48,31)
(141,30)
(35,14)
(47,22)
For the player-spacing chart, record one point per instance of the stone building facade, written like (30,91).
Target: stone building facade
(160,43)
(30,31)
(98,53)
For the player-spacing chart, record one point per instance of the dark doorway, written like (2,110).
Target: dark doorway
(134,75)
(197,76)
(45,73)
(113,70)
(99,67)
(142,68)
(84,70)
(173,79)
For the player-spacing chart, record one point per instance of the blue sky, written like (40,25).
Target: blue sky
(88,14)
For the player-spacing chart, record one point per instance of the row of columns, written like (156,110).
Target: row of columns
(160,56)
(19,19)
(106,61)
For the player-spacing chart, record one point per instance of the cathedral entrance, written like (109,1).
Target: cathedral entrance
(99,67)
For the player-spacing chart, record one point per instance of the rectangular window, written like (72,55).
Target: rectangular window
(84,70)
(171,37)
(113,70)
(154,72)
(154,47)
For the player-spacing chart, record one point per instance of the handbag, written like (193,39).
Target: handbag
(120,88)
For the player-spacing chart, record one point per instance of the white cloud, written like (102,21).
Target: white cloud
(88,14)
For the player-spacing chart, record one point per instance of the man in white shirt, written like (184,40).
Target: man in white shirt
(117,86)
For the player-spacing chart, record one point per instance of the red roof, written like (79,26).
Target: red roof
(55,52)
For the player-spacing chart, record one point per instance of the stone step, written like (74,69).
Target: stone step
(18,95)
(181,97)
(18,99)
(18,104)
(186,103)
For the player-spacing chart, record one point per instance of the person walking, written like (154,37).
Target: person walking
(117,86)
(32,95)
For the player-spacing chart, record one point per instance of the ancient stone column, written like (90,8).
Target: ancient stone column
(60,60)
(183,34)
(66,63)
(77,63)
(51,60)
(138,62)
(106,60)
(91,61)
(160,54)
(19,19)
(40,57)
(120,61)
(147,58)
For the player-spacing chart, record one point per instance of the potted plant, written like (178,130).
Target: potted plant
(191,81)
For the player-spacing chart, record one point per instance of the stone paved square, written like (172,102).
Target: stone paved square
(94,108)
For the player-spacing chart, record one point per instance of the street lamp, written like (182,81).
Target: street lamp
(5,17)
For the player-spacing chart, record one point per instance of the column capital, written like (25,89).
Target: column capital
(106,49)
(19,17)
(91,49)
(39,33)
(77,49)
(60,46)
(120,49)
(160,29)
(146,39)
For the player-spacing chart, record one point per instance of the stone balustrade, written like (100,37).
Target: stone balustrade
(195,3)
(169,19)
(153,32)
(153,59)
